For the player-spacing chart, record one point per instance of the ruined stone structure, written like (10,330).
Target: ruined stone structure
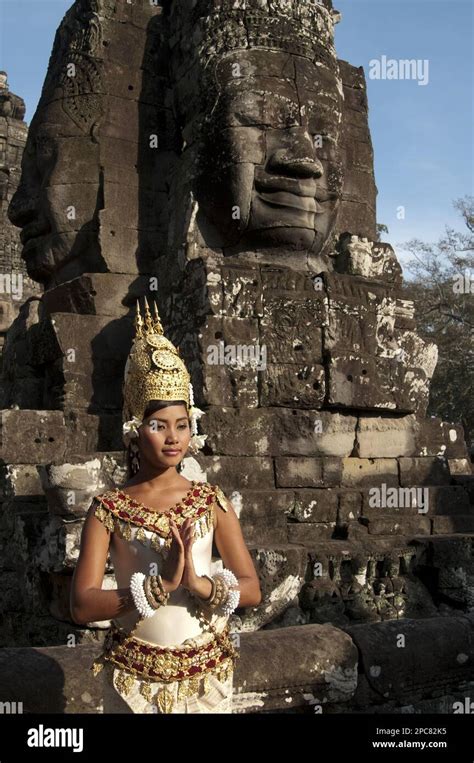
(216,156)
(15,285)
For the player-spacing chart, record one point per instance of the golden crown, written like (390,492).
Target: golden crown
(154,369)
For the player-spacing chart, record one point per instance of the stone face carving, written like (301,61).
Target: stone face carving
(15,286)
(59,197)
(88,198)
(263,127)
(254,160)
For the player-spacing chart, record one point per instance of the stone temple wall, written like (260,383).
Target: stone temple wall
(199,182)
(15,286)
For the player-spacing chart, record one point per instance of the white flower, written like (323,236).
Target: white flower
(130,429)
(196,443)
(195,412)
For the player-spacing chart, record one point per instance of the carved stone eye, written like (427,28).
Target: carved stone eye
(44,147)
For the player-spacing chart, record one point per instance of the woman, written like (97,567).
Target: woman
(169,648)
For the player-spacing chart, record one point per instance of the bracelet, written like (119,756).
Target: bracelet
(148,593)
(213,589)
(233,594)
(158,590)
(223,598)
(156,595)
(138,593)
(222,591)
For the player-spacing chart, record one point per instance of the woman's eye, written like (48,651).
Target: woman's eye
(157,428)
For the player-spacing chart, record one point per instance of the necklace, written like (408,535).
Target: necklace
(116,506)
(138,504)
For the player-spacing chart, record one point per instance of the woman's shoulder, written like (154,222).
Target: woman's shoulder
(218,495)
(106,497)
(102,507)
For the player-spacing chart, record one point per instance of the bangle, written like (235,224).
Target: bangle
(213,589)
(148,593)
(138,593)
(233,594)
(157,589)
(222,591)
(223,599)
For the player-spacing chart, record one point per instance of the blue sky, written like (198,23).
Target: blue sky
(422,135)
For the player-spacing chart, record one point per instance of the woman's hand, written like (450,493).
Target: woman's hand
(173,566)
(194,583)
(189,578)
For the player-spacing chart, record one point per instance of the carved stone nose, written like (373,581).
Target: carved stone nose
(22,208)
(301,166)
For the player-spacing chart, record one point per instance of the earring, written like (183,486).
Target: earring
(134,457)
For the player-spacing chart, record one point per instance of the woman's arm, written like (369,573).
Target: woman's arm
(88,602)
(235,556)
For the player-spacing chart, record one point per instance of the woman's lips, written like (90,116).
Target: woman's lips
(171,452)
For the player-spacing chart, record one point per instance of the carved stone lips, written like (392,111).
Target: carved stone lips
(298,193)
(34,230)
(296,186)
(284,199)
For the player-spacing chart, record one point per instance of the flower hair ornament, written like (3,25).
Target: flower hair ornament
(155,371)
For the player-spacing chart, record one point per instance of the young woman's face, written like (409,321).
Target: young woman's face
(165,435)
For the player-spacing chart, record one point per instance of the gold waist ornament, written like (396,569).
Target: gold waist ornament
(188,665)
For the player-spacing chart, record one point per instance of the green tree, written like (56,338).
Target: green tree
(441,283)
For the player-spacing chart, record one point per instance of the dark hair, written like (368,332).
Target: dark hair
(157,405)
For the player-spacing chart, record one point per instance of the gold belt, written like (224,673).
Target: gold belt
(157,663)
